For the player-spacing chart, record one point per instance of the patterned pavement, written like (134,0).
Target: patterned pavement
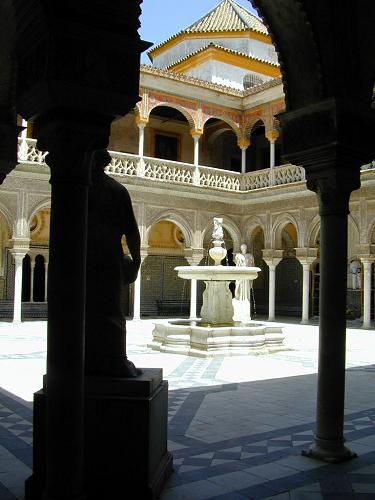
(236,425)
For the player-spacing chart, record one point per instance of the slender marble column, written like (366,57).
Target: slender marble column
(305,292)
(45,279)
(23,146)
(196,135)
(141,128)
(32,269)
(272,259)
(367,268)
(137,296)
(243,160)
(193,299)
(272,136)
(17,311)
(196,149)
(271,292)
(272,153)
(141,122)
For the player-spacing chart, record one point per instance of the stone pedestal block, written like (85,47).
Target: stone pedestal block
(125,438)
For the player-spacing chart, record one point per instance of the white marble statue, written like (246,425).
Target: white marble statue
(241,301)
(218,233)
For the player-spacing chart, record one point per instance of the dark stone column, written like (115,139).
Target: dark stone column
(333,197)
(319,138)
(70,145)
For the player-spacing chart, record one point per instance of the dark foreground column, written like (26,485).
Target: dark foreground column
(59,472)
(334,209)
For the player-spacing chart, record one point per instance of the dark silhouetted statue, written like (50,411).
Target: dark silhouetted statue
(110,216)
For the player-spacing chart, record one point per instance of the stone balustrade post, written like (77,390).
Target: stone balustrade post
(272,258)
(306,256)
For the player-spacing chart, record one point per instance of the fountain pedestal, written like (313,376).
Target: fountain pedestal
(217,306)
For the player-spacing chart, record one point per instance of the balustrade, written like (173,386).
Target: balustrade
(156,169)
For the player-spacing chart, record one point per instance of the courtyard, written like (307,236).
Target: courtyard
(237,425)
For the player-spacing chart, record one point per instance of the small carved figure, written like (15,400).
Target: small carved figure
(110,216)
(355,269)
(242,290)
(218,233)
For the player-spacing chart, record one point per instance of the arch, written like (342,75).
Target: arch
(370,236)
(281,221)
(313,232)
(251,224)
(179,108)
(42,205)
(232,124)
(178,219)
(8,217)
(217,134)
(250,127)
(230,226)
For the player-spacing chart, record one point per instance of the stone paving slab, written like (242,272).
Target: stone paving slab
(236,425)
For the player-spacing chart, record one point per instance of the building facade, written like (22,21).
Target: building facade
(203,141)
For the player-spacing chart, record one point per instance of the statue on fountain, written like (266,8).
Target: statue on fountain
(110,216)
(241,301)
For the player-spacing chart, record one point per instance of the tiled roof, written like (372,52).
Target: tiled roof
(208,85)
(225,49)
(226,16)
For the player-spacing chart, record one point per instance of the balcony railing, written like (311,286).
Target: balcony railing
(125,164)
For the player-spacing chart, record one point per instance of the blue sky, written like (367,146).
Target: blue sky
(163,18)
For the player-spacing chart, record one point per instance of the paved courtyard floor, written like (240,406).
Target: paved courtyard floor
(236,424)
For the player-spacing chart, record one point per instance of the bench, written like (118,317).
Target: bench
(171,306)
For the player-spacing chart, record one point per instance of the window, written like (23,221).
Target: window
(167,146)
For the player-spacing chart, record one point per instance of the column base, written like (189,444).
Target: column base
(304,322)
(125,438)
(332,452)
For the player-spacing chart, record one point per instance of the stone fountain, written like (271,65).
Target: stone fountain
(217,333)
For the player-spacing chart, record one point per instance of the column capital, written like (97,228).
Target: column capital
(243,143)
(141,121)
(365,249)
(194,255)
(272,135)
(306,255)
(272,257)
(20,245)
(333,192)
(71,142)
(367,259)
(196,133)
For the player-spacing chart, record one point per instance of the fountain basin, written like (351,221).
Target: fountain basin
(217,273)
(197,338)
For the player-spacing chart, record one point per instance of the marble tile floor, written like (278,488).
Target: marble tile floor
(236,424)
